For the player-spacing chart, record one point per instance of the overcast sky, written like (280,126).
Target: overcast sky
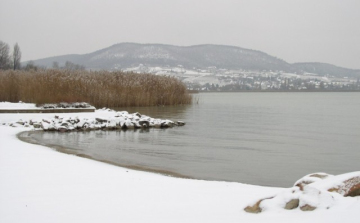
(293,30)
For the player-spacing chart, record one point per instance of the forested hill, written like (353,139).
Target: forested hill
(125,55)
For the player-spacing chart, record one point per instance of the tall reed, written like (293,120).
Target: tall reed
(99,88)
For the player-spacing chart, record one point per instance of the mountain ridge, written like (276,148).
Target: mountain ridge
(126,55)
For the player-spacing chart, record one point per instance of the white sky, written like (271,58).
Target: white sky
(293,30)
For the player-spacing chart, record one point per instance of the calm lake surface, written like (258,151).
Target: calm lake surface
(269,139)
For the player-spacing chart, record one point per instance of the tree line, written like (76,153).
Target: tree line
(67,66)
(12,60)
(9,60)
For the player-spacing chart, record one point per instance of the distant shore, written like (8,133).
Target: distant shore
(277,91)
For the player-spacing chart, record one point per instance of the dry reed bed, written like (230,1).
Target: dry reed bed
(99,88)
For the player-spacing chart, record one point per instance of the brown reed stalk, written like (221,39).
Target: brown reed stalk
(99,88)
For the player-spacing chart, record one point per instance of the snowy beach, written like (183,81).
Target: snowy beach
(39,184)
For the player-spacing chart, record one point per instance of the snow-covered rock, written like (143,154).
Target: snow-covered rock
(109,120)
(313,191)
(311,178)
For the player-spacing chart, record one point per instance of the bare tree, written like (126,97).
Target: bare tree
(5,61)
(55,65)
(16,57)
(31,66)
(73,66)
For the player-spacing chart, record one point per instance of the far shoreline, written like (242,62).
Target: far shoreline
(281,91)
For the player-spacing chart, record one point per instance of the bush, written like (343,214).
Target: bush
(99,88)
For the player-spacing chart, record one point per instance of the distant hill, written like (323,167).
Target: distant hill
(326,69)
(125,55)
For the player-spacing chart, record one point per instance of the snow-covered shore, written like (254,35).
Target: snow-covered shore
(38,184)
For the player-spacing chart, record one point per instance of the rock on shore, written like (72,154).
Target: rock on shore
(313,191)
(110,121)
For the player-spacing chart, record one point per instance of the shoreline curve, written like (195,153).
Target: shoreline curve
(65,150)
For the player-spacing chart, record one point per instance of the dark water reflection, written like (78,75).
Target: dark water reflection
(258,138)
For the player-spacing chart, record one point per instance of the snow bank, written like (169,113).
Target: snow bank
(20,105)
(39,184)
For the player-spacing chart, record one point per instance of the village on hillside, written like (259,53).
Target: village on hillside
(216,79)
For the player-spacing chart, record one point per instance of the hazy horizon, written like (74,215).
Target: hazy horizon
(295,31)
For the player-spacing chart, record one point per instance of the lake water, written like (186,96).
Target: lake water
(269,139)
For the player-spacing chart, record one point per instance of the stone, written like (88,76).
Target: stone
(101,120)
(70,128)
(65,124)
(302,184)
(311,178)
(84,105)
(44,125)
(136,124)
(307,207)
(292,204)
(124,120)
(167,124)
(20,122)
(180,123)
(63,105)
(36,125)
(62,129)
(111,124)
(256,207)
(348,188)
(144,123)
(318,175)
(51,127)
(129,124)
(46,120)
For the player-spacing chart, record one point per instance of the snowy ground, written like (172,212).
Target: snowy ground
(8,105)
(38,184)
